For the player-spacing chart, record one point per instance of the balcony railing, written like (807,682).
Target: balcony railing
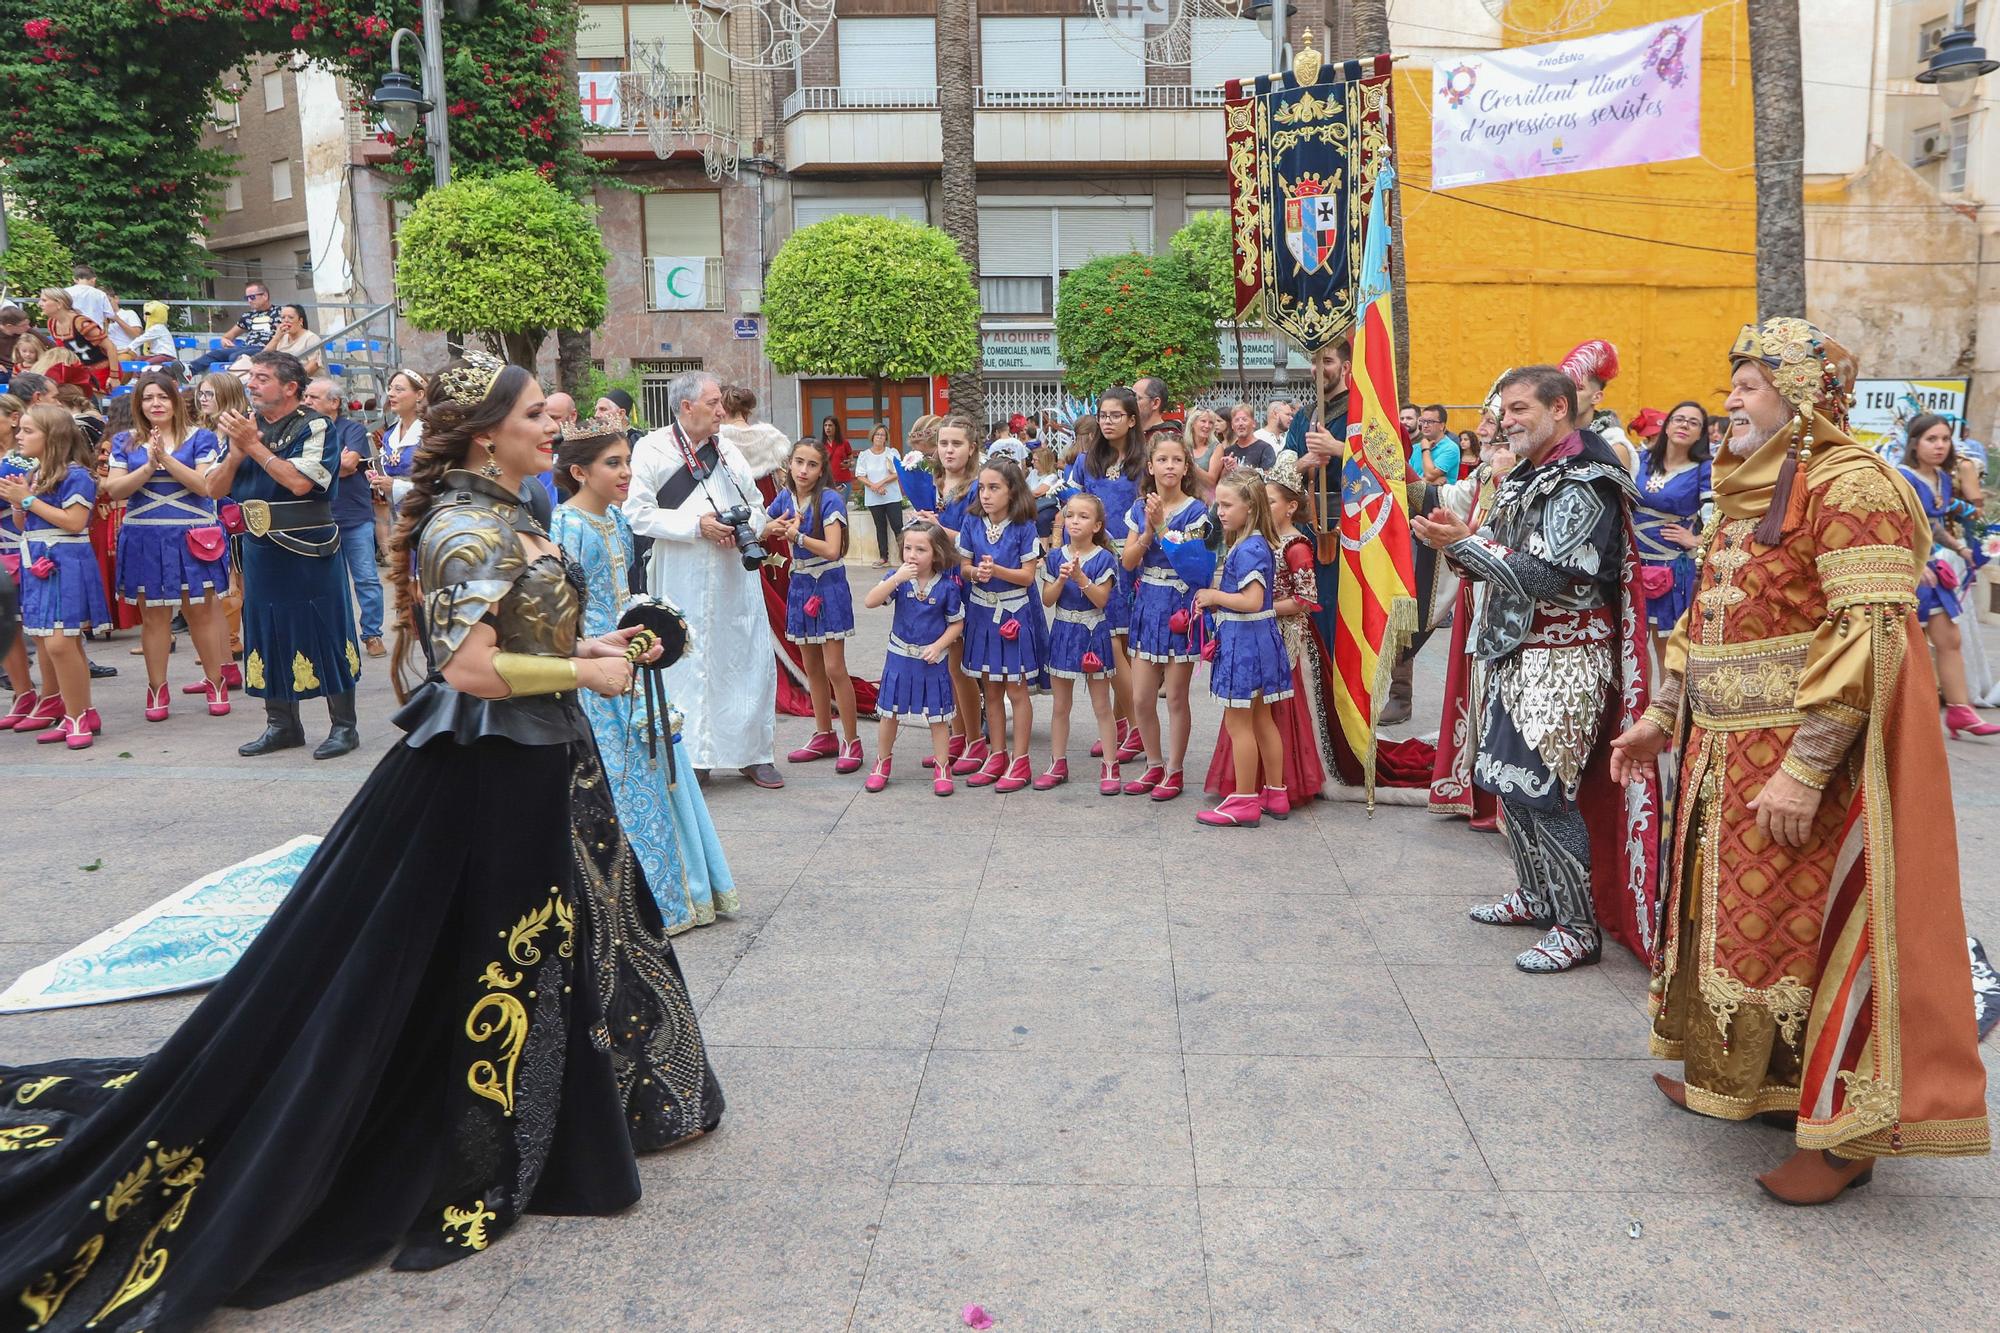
(659,295)
(1164,97)
(693,104)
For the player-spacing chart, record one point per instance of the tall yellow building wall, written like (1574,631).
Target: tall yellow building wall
(1488,291)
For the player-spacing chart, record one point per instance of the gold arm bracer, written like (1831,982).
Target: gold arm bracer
(529,673)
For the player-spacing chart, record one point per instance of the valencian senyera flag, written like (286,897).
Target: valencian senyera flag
(1377,606)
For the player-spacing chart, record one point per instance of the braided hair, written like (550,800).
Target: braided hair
(449,430)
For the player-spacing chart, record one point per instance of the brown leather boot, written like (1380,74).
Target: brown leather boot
(1810,1177)
(1672,1089)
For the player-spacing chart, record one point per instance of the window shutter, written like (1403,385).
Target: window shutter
(652,24)
(600,32)
(886,58)
(1020,54)
(1227,49)
(1085,233)
(1015,242)
(1092,59)
(683,223)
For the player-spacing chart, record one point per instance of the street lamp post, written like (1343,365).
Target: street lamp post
(1957,65)
(400,102)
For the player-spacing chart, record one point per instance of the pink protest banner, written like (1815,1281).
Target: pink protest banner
(1614,100)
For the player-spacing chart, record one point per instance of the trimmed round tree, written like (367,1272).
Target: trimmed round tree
(871,298)
(1120,317)
(1208,249)
(509,256)
(33,259)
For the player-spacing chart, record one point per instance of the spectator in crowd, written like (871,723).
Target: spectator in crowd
(353,512)
(1434,455)
(560,408)
(294,335)
(215,394)
(839,456)
(298,623)
(1152,394)
(1044,480)
(1008,443)
(155,342)
(13,328)
(32,388)
(1718,430)
(1277,421)
(82,337)
(247,336)
(1407,414)
(1204,442)
(1244,447)
(88,300)
(875,469)
(28,350)
(396,447)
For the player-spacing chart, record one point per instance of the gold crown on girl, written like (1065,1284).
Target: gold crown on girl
(470,383)
(1285,472)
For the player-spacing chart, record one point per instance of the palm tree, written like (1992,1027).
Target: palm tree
(1777,97)
(1371,38)
(956,33)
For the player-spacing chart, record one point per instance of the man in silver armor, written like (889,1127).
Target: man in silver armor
(1551,557)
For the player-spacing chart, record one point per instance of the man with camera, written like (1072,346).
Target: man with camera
(694,495)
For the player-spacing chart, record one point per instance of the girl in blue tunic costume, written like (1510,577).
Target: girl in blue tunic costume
(1674,489)
(666,820)
(1162,640)
(12,464)
(1078,580)
(819,608)
(917,678)
(171,547)
(1001,553)
(1110,460)
(1929,460)
(958,494)
(1250,671)
(62,590)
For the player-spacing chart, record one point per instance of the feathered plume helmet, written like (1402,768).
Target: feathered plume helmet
(1595,359)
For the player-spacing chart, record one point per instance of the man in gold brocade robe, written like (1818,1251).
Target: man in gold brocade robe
(1813,962)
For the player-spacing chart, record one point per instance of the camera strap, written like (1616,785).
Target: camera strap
(696,465)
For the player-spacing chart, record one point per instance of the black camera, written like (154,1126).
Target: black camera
(737,519)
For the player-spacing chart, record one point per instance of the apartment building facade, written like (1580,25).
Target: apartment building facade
(259,228)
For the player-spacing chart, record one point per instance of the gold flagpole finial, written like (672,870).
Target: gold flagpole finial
(1306,61)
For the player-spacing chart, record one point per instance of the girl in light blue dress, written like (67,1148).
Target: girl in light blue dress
(666,820)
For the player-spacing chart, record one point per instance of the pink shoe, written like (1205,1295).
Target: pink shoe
(1146,781)
(1238,811)
(878,779)
(954,751)
(157,701)
(1131,746)
(46,714)
(821,746)
(63,730)
(1019,774)
(232,675)
(973,760)
(1057,775)
(218,700)
(1168,787)
(80,736)
(850,757)
(989,773)
(1097,746)
(1276,802)
(24,706)
(942,786)
(1108,783)
(92,721)
(1959,718)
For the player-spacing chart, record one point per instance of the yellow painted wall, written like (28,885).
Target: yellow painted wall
(1488,291)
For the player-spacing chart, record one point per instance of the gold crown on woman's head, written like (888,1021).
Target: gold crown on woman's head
(471,382)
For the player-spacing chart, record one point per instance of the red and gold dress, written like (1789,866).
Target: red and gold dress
(1306,719)
(1830,979)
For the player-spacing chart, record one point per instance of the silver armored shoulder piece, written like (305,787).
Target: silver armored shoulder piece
(467,560)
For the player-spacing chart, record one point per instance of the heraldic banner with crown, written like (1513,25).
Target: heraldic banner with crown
(1303,155)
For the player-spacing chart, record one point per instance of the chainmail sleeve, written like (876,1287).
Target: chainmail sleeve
(466,562)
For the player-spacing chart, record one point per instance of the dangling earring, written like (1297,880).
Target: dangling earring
(491,468)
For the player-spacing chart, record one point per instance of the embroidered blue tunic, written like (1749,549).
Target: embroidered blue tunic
(1664,500)
(818,604)
(1161,590)
(155,563)
(1250,662)
(912,687)
(70,596)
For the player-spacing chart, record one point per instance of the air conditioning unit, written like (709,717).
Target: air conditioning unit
(1930,148)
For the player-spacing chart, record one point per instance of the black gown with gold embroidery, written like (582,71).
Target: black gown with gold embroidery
(466,1009)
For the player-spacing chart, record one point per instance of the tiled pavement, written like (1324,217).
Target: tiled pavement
(1084,1063)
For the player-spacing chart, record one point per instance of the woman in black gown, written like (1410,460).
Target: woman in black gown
(465,1010)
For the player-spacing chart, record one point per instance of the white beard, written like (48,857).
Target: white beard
(1751,443)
